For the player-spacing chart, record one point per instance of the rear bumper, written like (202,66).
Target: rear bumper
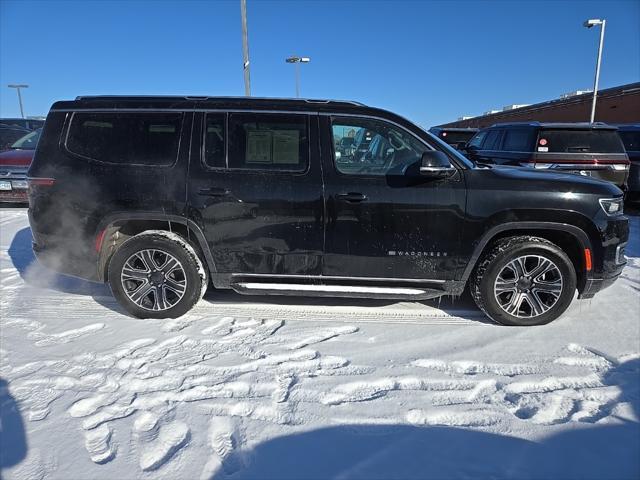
(67,255)
(17,193)
(14,196)
(609,174)
(62,261)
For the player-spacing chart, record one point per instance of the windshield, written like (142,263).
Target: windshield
(28,142)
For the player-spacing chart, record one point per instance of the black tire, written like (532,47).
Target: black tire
(190,272)
(498,257)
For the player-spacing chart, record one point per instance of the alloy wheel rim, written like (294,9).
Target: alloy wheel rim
(153,280)
(528,286)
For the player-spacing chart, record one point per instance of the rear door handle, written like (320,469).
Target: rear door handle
(214,192)
(352,197)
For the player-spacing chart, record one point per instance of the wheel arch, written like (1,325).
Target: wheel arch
(573,240)
(113,230)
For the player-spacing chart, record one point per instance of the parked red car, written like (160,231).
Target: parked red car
(14,164)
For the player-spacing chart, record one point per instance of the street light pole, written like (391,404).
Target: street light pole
(18,87)
(245,49)
(297,61)
(589,24)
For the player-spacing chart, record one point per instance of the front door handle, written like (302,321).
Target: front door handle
(214,192)
(352,197)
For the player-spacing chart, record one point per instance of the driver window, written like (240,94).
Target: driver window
(373,147)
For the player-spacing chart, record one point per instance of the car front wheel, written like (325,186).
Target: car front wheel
(524,281)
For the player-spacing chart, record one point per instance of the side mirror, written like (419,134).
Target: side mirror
(436,164)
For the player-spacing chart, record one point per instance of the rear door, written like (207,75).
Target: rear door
(382,222)
(255,189)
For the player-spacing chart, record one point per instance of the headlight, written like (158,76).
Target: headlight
(612,206)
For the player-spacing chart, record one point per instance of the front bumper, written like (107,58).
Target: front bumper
(612,257)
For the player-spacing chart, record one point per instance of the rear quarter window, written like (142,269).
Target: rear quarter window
(579,141)
(125,138)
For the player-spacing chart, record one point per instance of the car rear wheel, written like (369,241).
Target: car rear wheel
(524,281)
(156,275)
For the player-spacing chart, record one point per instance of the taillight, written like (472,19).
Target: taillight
(40,182)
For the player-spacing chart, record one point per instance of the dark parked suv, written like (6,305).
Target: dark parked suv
(456,137)
(630,134)
(588,149)
(163,196)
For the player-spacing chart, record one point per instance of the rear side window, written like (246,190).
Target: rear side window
(579,141)
(492,142)
(268,142)
(126,138)
(631,140)
(518,140)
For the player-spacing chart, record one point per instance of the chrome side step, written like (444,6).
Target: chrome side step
(351,291)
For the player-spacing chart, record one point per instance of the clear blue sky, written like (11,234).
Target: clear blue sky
(431,61)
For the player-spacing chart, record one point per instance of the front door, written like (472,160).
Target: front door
(383,219)
(256,191)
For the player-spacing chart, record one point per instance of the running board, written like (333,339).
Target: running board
(350,291)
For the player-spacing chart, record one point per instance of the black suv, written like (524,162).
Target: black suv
(588,149)
(457,137)
(630,135)
(162,196)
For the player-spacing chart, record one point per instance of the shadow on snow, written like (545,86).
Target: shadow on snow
(13,442)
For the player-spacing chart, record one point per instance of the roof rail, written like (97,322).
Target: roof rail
(208,97)
(352,102)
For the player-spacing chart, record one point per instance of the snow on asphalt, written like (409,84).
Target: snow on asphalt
(270,387)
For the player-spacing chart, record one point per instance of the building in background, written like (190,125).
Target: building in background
(614,105)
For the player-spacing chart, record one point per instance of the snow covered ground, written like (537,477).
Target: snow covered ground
(270,387)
